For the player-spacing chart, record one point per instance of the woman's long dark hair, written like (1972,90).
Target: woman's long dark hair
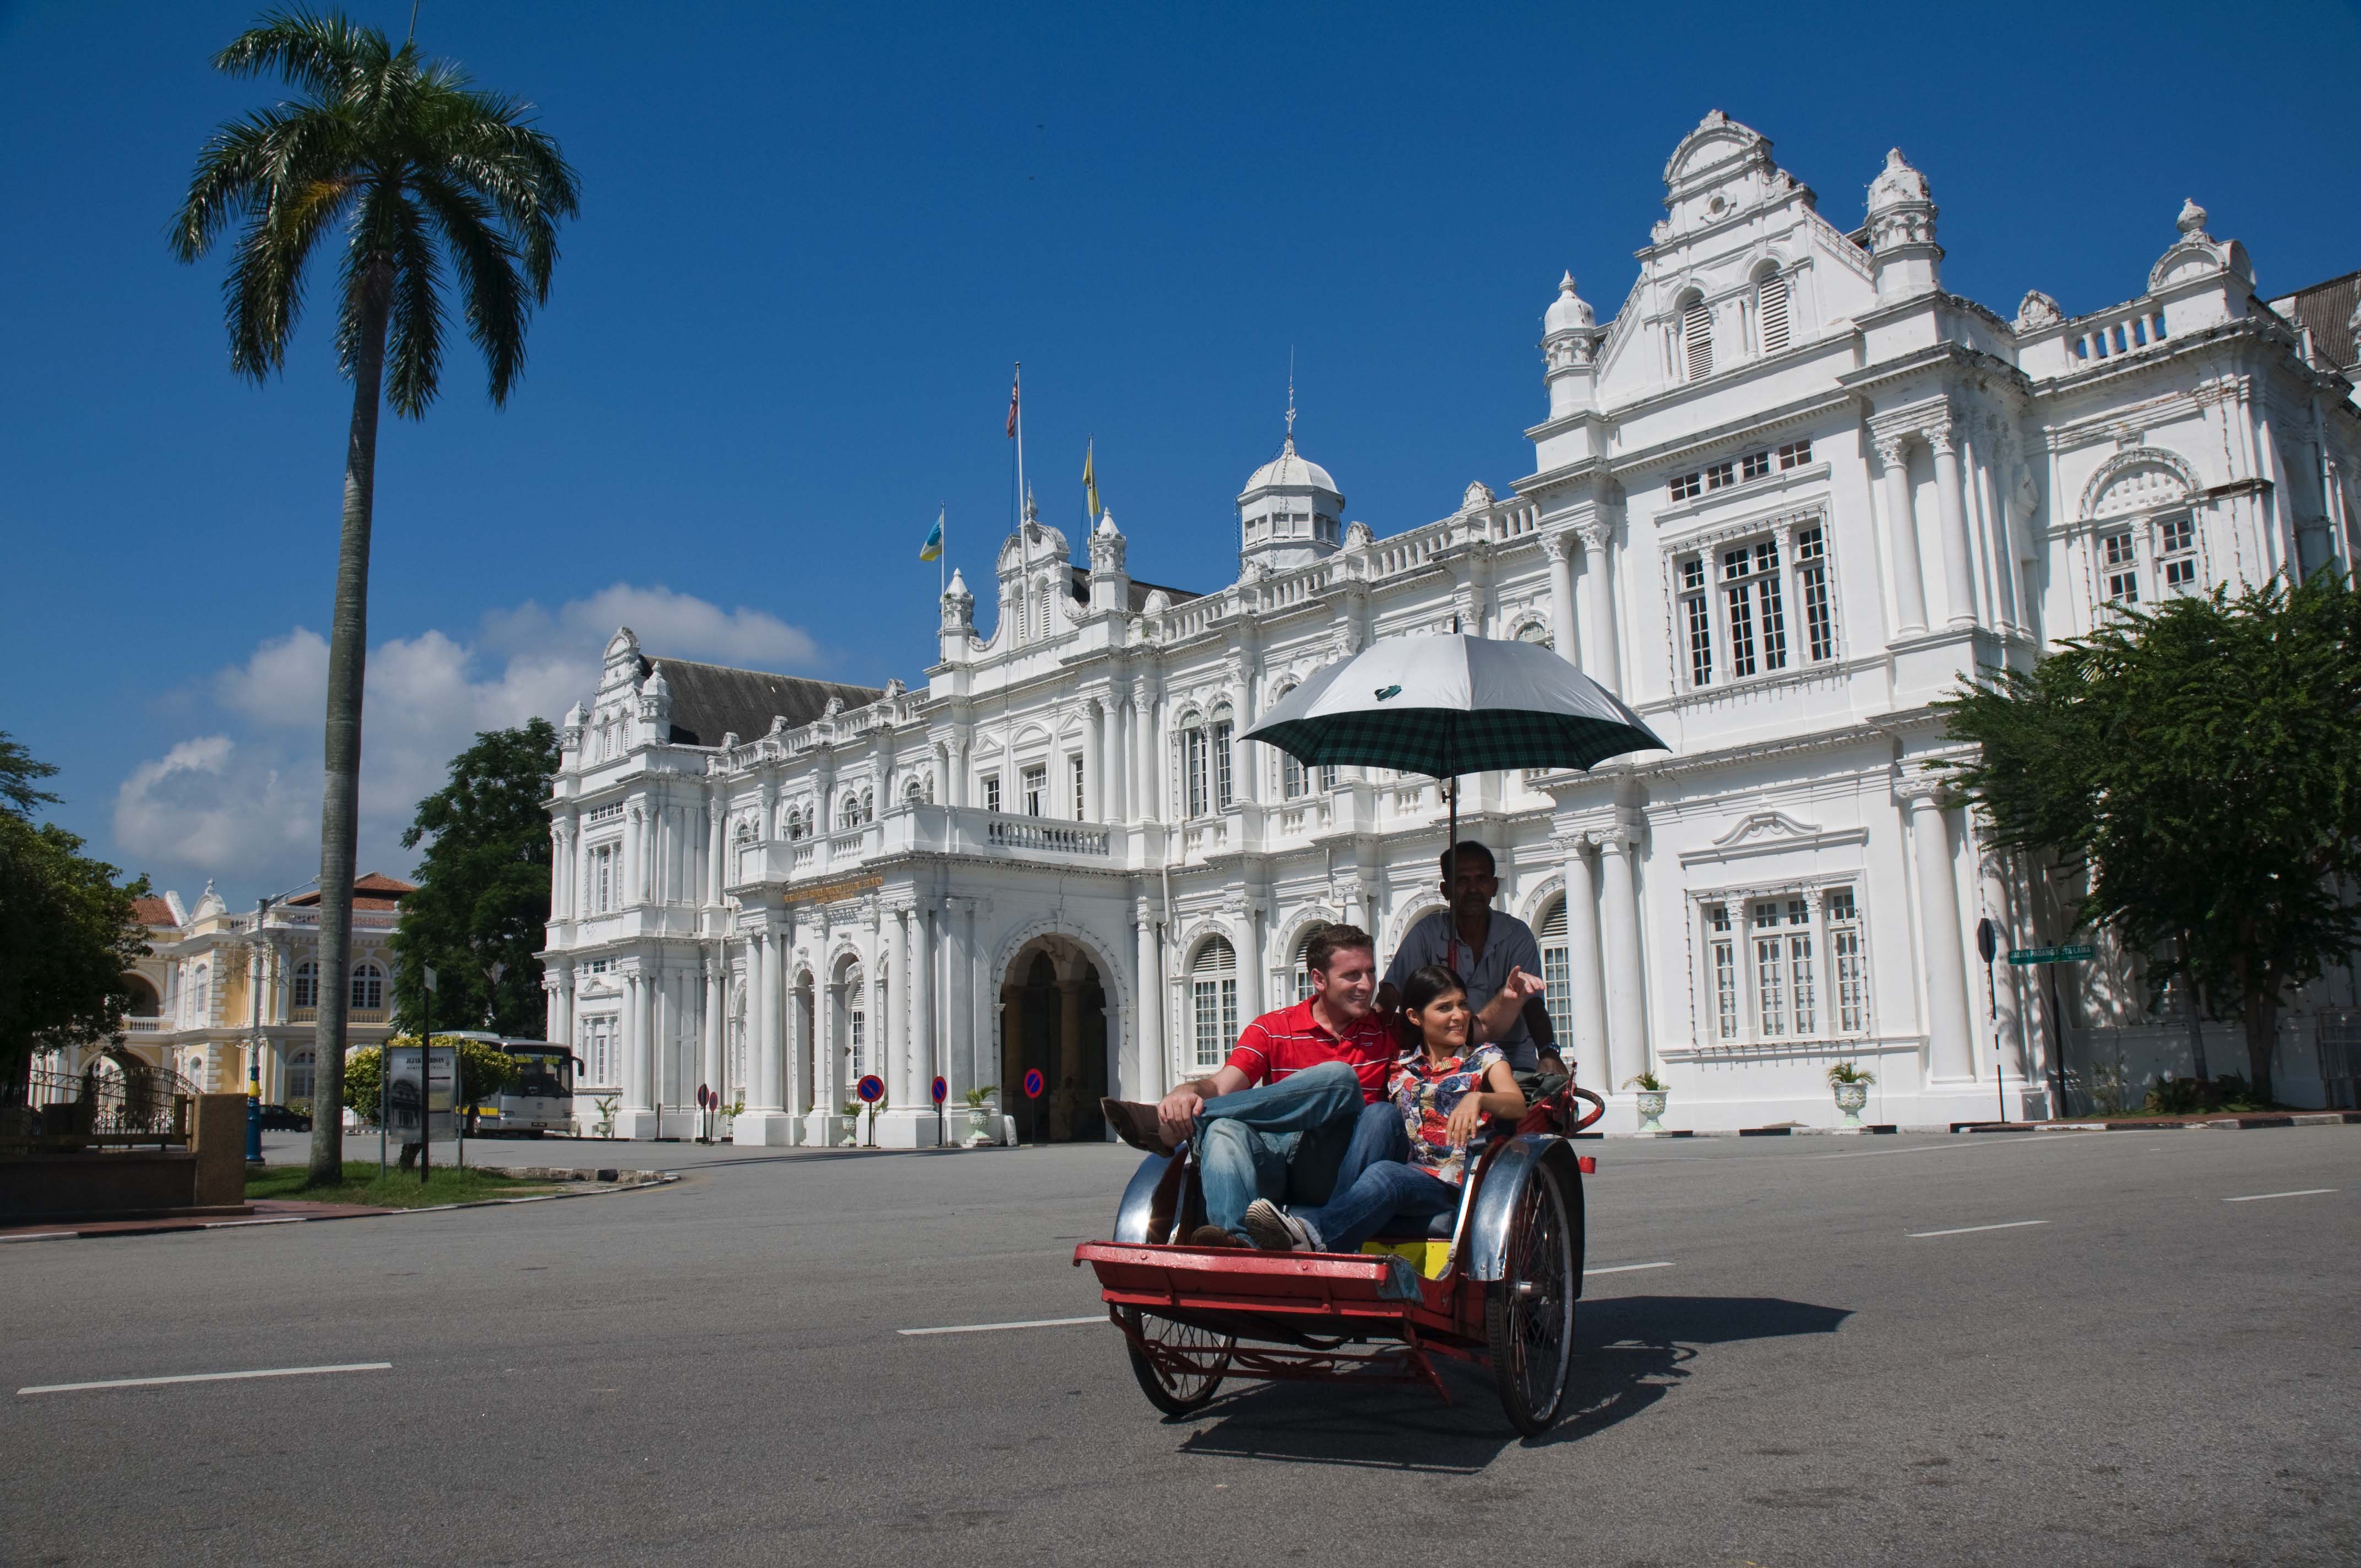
(1429,982)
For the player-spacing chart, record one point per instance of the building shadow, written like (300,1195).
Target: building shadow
(1630,1352)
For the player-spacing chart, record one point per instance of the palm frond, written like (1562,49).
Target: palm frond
(324,55)
(491,296)
(413,349)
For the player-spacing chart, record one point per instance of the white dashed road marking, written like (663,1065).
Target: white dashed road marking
(1626,1267)
(207,1377)
(988,1327)
(1969,1230)
(2301,1192)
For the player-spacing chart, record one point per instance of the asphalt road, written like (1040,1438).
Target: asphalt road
(710,1372)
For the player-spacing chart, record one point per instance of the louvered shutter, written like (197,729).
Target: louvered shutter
(1773,314)
(1554,924)
(1696,337)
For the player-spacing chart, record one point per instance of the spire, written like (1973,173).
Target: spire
(1289,444)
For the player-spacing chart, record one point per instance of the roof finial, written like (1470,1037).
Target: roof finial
(1291,397)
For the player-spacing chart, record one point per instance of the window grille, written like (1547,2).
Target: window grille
(1770,974)
(1081,811)
(991,792)
(307,985)
(1214,998)
(1754,466)
(1291,782)
(1851,967)
(1688,486)
(368,986)
(1795,455)
(1771,309)
(1219,738)
(1738,593)
(1805,993)
(2122,559)
(1700,621)
(1035,790)
(1192,770)
(1558,975)
(1724,953)
(2176,549)
(856,1022)
(1696,339)
(1721,475)
(1812,583)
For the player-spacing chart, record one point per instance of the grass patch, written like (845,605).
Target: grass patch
(398,1189)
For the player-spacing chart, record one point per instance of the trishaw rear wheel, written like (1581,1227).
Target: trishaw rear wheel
(1529,1311)
(1187,1365)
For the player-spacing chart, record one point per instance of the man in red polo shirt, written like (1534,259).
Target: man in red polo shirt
(1300,1108)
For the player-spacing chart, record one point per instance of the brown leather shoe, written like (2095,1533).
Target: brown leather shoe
(1135,1125)
(1213,1236)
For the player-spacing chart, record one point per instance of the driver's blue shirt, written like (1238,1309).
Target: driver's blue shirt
(1508,944)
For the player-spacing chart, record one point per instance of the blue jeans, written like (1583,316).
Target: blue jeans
(1385,1191)
(1304,1137)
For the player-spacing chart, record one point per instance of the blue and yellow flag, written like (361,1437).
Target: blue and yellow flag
(932,549)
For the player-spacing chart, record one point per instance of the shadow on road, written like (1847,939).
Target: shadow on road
(1632,1351)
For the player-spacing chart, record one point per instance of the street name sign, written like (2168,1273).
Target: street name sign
(2068,955)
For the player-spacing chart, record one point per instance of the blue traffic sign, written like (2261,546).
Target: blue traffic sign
(942,1090)
(872,1089)
(1034,1083)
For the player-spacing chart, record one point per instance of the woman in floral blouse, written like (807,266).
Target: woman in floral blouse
(1444,1091)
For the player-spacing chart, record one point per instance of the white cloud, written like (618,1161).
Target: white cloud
(243,804)
(668,622)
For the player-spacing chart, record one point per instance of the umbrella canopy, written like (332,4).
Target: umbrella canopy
(1452,705)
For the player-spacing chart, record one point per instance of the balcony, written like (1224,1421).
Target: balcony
(135,1025)
(924,831)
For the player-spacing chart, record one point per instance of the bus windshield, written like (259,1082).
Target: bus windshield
(544,1073)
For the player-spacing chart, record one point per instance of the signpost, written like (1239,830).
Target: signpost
(2073,953)
(1987,943)
(942,1091)
(406,1096)
(872,1089)
(1034,1083)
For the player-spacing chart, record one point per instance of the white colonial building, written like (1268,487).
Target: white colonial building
(1791,495)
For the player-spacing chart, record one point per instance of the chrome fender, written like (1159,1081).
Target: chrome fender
(1534,1157)
(1138,1202)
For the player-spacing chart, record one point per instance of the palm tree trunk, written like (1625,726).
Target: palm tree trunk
(340,800)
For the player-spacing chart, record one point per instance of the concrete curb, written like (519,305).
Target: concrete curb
(2169,1124)
(632,1181)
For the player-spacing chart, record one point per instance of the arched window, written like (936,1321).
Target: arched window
(1292,784)
(369,987)
(856,1025)
(199,995)
(1557,976)
(299,1075)
(1214,1001)
(915,791)
(1302,972)
(1195,772)
(1770,312)
(868,806)
(1533,631)
(848,814)
(1693,338)
(307,985)
(143,996)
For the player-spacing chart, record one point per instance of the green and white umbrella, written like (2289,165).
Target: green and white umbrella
(1445,706)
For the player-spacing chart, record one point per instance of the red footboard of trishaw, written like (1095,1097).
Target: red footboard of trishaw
(1365,1288)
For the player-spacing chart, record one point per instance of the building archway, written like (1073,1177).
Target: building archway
(1053,1018)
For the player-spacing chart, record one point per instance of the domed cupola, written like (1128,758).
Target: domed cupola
(1290,514)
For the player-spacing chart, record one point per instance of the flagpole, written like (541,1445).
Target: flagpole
(1020,444)
(943,547)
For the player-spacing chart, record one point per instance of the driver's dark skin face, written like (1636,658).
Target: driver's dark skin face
(1474,891)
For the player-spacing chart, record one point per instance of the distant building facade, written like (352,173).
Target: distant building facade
(1791,494)
(218,984)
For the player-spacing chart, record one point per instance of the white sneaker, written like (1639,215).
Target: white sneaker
(1273,1229)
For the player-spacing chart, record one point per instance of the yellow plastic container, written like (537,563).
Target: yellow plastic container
(1429,1257)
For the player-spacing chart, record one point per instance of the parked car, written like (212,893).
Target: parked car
(279,1119)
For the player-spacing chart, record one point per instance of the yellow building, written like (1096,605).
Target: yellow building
(218,985)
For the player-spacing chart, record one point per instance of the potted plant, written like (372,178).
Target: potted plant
(981,1124)
(1651,1099)
(1851,1085)
(604,1127)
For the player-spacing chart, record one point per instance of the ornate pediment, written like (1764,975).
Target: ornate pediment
(1770,832)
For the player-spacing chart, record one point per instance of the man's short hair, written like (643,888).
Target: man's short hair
(1330,940)
(1469,849)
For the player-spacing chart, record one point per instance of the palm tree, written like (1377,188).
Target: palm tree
(416,169)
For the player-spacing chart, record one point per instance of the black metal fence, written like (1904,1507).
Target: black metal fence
(111,1104)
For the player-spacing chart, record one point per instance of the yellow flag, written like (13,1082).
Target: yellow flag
(1090,484)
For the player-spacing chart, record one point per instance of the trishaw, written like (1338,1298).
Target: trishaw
(1493,1283)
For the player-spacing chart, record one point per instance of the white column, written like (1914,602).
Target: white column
(1998,1004)
(628,874)
(1147,782)
(1601,661)
(1951,504)
(1585,981)
(643,1041)
(1901,528)
(938,774)
(714,813)
(561,865)
(717,966)
(1146,1081)
(577,876)
(1559,547)
(764,956)
(923,1055)
(1118,752)
(980,1000)
(893,1027)
(1095,750)
(1250,979)
(1950,1054)
(1626,986)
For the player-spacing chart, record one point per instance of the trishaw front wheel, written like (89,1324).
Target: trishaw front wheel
(1529,1311)
(1181,1366)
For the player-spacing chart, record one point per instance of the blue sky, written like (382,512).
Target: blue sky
(812,242)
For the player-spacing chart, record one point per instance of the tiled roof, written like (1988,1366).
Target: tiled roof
(371,890)
(1139,591)
(709,701)
(2327,309)
(152,911)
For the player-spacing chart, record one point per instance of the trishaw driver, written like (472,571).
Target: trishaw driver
(1299,1109)
(1487,948)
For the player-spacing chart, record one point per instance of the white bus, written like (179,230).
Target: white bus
(541,1101)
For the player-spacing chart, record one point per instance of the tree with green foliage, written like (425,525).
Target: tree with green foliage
(68,933)
(485,1070)
(483,893)
(2195,768)
(425,178)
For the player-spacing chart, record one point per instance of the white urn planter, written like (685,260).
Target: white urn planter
(1851,1098)
(1650,1103)
(981,1125)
